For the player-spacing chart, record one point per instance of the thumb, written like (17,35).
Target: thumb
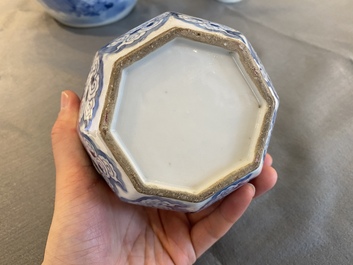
(69,155)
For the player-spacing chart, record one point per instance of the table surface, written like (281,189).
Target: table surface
(307,49)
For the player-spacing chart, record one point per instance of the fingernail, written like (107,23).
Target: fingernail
(64,100)
(253,187)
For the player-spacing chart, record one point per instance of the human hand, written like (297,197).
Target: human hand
(92,226)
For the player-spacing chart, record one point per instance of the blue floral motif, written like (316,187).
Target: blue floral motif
(83,7)
(136,35)
(104,165)
(90,98)
(161,203)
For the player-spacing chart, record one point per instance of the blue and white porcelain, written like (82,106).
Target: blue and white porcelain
(88,13)
(177,113)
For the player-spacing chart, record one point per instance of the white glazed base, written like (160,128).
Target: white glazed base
(186,116)
(113,153)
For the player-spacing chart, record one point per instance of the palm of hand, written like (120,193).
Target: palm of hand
(92,226)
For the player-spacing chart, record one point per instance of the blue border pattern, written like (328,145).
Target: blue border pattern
(136,35)
(104,165)
(92,92)
(161,203)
